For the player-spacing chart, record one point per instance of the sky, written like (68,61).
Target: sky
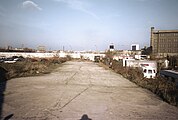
(83,24)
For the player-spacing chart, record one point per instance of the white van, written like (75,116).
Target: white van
(149,72)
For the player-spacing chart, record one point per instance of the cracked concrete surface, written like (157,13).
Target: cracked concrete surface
(79,88)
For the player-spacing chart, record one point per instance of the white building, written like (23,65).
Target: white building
(111,47)
(135,47)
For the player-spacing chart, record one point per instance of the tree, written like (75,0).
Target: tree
(147,50)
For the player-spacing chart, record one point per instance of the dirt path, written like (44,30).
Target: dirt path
(79,88)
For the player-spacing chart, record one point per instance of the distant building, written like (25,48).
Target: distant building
(134,47)
(111,47)
(41,49)
(164,42)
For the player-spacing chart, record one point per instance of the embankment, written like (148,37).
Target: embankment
(165,89)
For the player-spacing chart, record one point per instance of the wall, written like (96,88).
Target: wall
(89,56)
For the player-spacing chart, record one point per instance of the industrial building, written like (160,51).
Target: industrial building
(164,42)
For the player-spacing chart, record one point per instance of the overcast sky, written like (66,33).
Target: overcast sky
(83,24)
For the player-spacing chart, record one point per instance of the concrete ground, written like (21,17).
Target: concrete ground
(79,88)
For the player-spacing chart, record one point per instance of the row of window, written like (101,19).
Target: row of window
(168,34)
(172,45)
(168,51)
(168,40)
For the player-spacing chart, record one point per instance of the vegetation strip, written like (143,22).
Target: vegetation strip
(29,67)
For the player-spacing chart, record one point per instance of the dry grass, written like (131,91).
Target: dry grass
(31,67)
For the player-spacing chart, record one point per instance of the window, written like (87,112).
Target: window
(149,71)
(111,46)
(144,71)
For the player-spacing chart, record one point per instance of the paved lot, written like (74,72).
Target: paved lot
(79,88)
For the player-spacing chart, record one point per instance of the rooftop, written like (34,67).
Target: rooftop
(165,31)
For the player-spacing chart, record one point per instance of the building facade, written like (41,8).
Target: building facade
(164,42)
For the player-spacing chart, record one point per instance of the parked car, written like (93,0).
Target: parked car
(9,60)
(1,60)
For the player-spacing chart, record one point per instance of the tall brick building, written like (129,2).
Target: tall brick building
(164,42)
